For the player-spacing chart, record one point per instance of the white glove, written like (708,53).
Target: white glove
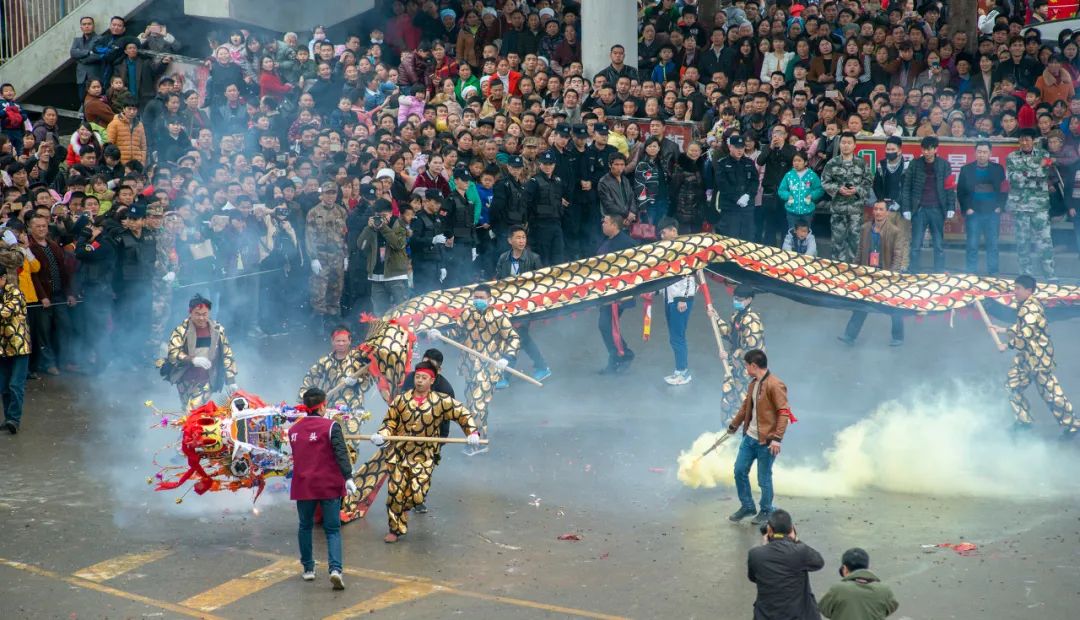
(10,238)
(442,273)
(231,388)
(474,254)
(169,277)
(316,267)
(28,253)
(950,214)
(378,439)
(743,200)
(434,334)
(201,362)
(351,380)
(473,440)
(350,486)
(438,240)
(907,215)
(708,195)
(502,364)
(893,205)
(346,263)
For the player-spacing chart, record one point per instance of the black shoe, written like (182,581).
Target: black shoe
(610,369)
(740,514)
(33,376)
(11,427)
(848,341)
(761,519)
(420,508)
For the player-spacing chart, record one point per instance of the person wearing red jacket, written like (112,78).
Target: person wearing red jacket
(322,475)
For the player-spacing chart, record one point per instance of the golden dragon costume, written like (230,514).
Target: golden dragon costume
(599,279)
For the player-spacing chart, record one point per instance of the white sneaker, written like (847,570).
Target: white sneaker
(309,575)
(335,578)
(680,377)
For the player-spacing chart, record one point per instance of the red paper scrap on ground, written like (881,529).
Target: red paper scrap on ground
(569,537)
(964,548)
(657,470)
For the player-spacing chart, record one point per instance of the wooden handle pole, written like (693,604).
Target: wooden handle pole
(989,325)
(342,385)
(410,438)
(490,360)
(715,328)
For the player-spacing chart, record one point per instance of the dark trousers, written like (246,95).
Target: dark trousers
(331,524)
(13,386)
(934,219)
(855,323)
(460,269)
(611,333)
(982,226)
(97,324)
(738,222)
(386,294)
(546,239)
(425,275)
(770,220)
(50,334)
(528,345)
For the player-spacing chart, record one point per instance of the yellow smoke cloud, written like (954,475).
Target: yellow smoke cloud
(957,445)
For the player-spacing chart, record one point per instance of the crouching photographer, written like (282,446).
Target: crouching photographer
(781,569)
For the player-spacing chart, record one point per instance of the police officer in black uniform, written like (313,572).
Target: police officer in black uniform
(427,243)
(508,206)
(734,181)
(544,197)
(575,222)
(461,227)
(136,254)
(594,167)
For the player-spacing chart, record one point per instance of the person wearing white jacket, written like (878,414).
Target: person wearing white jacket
(678,302)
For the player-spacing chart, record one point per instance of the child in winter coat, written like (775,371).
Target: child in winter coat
(800,189)
(800,239)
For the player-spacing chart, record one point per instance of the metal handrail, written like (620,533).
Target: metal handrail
(23,21)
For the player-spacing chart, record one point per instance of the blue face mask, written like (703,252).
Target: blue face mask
(739,305)
(480,304)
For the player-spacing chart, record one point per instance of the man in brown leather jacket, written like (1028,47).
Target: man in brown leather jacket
(764,417)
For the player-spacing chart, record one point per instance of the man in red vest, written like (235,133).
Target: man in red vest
(322,475)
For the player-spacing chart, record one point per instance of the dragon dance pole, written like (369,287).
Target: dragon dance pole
(342,385)
(715,328)
(989,325)
(410,438)
(490,360)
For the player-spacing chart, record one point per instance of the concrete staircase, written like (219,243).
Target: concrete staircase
(49,53)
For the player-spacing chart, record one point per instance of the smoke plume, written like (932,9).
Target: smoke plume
(954,444)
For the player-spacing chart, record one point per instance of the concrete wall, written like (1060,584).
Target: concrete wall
(282,16)
(50,53)
(603,24)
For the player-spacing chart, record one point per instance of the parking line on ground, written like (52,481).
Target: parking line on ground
(395,596)
(114,567)
(97,587)
(235,589)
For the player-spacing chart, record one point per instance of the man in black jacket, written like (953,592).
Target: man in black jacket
(546,204)
(518,260)
(927,202)
(615,190)
(508,208)
(981,196)
(619,354)
(771,222)
(781,568)
(734,181)
(428,241)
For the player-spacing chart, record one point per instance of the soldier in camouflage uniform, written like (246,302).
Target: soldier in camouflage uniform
(340,366)
(485,329)
(200,360)
(847,180)
(1034,360)
(1029,201)
(743,333)
(166,264)
(324,239)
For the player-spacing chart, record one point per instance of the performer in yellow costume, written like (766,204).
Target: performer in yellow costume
(341,366)
(744,333)
(417,412)
(200,360)
(485,329)
(1034,361)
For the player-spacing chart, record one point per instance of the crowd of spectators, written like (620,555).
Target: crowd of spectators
(312,178)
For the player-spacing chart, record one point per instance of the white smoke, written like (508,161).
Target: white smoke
(956,444)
